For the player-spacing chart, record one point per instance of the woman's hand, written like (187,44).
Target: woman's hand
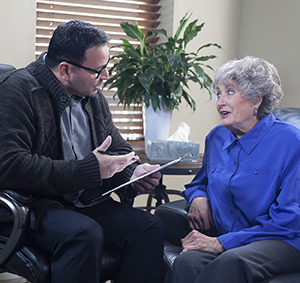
(200,242)
(200,216)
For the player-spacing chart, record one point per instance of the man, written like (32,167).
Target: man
(54,121)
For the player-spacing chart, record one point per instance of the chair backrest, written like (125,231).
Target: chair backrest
(5,68)
(290,115)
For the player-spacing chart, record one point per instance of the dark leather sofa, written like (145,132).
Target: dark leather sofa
(174,217)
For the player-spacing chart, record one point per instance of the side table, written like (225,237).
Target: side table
(160,192)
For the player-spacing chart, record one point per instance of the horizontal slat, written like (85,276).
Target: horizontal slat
(113,2)
(134,139)
(129,131)
(46,27)
(125,116)
(63,17)
(94,11)
(129,124)
(104,25)
(121,108)
(44,40)
(149,6)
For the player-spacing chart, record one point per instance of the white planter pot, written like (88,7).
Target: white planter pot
(156,124)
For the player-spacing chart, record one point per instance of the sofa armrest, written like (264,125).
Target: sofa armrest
(174,217)
(9,201)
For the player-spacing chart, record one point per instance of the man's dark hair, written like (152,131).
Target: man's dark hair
(70,41)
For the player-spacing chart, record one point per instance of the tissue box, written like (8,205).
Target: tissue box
(169,150)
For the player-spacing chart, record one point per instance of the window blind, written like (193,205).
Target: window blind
(106,15)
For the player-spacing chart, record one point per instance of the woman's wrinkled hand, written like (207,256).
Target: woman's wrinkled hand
(200,216)
(195,240)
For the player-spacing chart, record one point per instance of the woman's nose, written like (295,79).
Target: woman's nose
(221,99)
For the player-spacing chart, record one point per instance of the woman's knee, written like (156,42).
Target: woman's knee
(232,260)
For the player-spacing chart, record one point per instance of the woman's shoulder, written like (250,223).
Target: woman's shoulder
(286,127)
(285,133)
(218,130)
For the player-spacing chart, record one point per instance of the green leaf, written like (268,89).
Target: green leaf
(146,80)
(205,58)
(132,31)
(173,60)
(154,32)
(155,102)
(183,22)
(208,45)
(191,31)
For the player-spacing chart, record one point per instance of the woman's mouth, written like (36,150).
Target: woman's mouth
(224,114)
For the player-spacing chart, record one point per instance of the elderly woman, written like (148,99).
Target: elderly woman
(248,188)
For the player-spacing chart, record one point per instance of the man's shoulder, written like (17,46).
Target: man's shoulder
(18,77)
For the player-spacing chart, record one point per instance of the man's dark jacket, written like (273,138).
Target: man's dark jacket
(31,153)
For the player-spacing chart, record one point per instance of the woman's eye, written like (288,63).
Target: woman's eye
(218,95)
(230,92)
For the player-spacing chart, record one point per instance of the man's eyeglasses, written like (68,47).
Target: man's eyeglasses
(89,69)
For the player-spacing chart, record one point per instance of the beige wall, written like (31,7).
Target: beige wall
(270,30)
(17,26)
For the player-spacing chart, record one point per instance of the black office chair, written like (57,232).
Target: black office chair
(27,261)
(174,218)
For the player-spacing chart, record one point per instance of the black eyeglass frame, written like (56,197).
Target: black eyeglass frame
(89,69)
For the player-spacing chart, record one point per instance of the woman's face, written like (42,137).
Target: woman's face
(236,112)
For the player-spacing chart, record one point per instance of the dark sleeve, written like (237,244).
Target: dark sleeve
(29,158)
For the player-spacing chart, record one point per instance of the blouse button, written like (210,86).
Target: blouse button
(255,172)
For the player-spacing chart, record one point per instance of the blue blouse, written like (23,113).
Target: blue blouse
(253,183)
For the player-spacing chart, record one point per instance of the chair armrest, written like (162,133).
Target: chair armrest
(11,200)
(174,217)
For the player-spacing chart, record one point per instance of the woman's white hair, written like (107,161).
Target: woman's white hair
(256,78)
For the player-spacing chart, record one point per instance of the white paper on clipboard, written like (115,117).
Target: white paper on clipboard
(173,162)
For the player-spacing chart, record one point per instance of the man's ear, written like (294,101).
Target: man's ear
(64,71)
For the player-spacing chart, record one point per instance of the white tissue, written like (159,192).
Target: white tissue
(182,133)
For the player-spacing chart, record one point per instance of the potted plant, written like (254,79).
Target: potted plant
(158,75)
(146,72)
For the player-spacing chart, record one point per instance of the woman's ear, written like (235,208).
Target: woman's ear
(257,105)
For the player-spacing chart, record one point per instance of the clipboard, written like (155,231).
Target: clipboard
(173,162)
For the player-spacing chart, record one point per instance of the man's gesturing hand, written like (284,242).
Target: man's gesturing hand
(112,164)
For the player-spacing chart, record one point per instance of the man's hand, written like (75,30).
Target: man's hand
(112,164)
(200,216)
(147,184)
(200,242)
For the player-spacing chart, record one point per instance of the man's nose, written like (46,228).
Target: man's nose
(104,75)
